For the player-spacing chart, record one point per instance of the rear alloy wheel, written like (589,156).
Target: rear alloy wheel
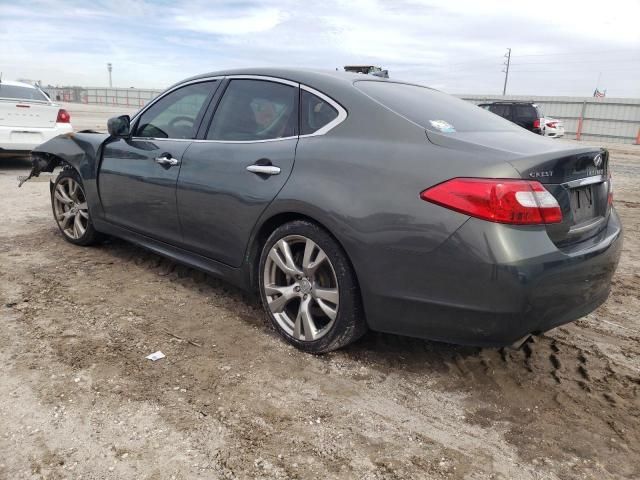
(308,289)
(70,209)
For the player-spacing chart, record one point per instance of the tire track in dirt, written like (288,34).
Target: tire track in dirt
(554,400)
(551,393)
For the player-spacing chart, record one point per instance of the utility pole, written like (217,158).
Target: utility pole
(109,68)
(506,72)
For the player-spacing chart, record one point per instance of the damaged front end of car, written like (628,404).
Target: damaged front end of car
(81,150)
(40,162)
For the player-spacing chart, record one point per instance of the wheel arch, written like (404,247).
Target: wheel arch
(47,162)
(53,161)
(267,227)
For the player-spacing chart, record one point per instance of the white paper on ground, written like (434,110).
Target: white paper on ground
(156,356)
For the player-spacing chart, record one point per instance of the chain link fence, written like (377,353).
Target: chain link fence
(117,97)
(124,97)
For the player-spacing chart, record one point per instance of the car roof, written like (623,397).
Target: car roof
(16,84)
(293,74)
(509,102)
(328,81)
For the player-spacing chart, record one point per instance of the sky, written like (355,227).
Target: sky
(565,47)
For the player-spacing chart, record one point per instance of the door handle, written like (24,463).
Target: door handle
(264,169)
(166,160)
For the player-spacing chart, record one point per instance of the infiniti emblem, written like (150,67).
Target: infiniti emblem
(597,160)
(305,286)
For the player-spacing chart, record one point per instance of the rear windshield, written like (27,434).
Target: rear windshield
(434,110)
(15,92)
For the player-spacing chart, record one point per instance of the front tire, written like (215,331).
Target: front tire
(309,290)
(70,210)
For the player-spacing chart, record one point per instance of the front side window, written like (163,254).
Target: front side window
(315,113)
(255,110)
(175,115)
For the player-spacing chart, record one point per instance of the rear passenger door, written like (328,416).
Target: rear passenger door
(237,166)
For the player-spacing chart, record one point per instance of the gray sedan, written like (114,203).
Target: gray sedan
(350,202)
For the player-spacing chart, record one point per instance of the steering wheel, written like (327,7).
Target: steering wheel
(183,118)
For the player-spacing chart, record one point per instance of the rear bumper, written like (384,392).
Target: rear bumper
(24,139)
(555,133)
(491,284)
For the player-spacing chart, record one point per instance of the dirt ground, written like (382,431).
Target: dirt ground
(78,399)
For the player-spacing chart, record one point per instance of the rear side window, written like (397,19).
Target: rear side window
(433,110)
(15,92)
(315,113)
(525,112)
(253,110)
(503,110)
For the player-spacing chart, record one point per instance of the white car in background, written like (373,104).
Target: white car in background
(28,118)
(552,127)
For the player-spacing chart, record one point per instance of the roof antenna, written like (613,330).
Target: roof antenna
(0,77)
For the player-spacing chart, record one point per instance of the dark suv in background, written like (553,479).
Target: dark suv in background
(528,115)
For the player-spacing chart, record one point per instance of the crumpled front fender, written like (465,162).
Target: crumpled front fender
(81,151)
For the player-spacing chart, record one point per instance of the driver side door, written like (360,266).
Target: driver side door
(138,175)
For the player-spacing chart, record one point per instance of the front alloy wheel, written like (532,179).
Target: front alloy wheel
(70,209)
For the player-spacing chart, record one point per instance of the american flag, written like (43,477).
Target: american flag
(597,93)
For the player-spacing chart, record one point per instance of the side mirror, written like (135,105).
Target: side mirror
(119,126)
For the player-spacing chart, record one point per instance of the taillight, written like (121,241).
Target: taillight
(552,124)
(610,194)
(519,202)
(536,123)
(63,116)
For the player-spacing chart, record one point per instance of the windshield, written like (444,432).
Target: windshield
(15,92)
(434,110)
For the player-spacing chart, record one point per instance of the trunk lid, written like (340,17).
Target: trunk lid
(578,177)
(580,183)
(27,114)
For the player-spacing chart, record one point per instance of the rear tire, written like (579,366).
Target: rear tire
(70,209)
(309,290)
